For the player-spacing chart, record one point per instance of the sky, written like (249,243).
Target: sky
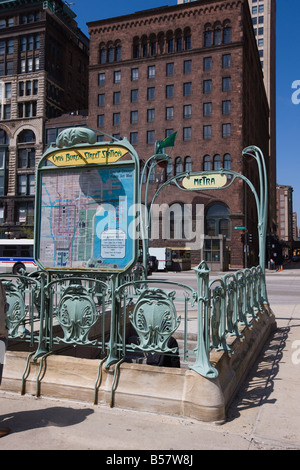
(287,75)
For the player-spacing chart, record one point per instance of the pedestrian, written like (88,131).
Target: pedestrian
(3,341)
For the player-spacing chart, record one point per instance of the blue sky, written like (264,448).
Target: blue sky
(288,71)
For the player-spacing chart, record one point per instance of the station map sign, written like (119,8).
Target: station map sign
(83,209)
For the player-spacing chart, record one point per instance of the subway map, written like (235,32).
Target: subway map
(84,218)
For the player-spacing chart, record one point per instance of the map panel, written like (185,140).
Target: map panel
(84,218)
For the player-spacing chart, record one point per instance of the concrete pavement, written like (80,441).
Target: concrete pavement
(264,415)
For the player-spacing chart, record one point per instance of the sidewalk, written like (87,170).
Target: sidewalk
(264,414)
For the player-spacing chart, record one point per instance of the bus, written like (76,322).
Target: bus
(16,255)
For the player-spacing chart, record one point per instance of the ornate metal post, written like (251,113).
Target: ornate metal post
(202,365)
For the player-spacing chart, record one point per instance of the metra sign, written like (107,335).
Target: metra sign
(84,156)
(207,181)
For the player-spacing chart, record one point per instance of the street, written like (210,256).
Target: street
(263,415)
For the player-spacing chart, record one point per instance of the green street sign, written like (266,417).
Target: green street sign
(240,228)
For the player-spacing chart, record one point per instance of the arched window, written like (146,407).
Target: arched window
(178,166)
(227,35)
(187,39)
(136,48)
(153,45)
(217,162)
(187,164)
(217,220)
(217,37)
(170,42)
(26,152)
(102,53)
(206,163)
(227,161)
(118,51)
(161,42)
(26,136)
(110,53)
(208,38)
(144,44)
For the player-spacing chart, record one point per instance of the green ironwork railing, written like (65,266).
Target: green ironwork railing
(60,310)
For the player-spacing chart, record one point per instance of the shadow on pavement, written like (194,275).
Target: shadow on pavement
(259,384)
(33,419)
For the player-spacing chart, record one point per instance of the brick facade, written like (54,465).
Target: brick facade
(145,41)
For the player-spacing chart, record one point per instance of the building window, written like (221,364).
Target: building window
(133,138)
(101,79)
(134,96)
(27,109)
(207,109)
(206,163)
(7,111)
(101,99)
(187,111)
(206,132)
(116,119)
(25,212)
(150,115)
(226,84)
(118,54)
(134,115)
(150,93)
(227,35)
(169,91)
(26,158)
(134,74)
(227,161)
(226,61)
(150,137)
(187,164)
(217,220)
(207,86)
(178,166)
(117,76)
(169,113)
(187,89)
(7,91)
(187,66)
(226,107)
(207,63)
(208,38)
(217,162)
(217,37)
(26,185)
(117,97)
(151,71)
(187,133)
(100,120)
(226,130)
(170,69)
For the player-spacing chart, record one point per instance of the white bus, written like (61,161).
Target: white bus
(16,254)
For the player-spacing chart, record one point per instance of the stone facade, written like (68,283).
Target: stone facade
(43,74)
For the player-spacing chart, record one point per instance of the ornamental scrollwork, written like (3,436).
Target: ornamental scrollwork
(155,320)
(76,314)
(16,310)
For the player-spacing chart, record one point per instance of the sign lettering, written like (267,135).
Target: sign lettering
(204,181)
(85,156)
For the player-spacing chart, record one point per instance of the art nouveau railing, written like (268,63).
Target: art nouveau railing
(133,318)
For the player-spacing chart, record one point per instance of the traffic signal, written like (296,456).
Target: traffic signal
(242,237)
(250,237)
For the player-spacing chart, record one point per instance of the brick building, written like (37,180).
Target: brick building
(192,68)
(43,74)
